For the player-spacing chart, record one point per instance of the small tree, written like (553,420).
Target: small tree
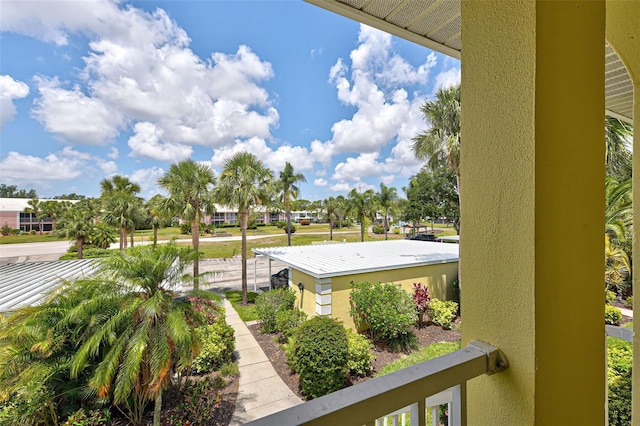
(422,298)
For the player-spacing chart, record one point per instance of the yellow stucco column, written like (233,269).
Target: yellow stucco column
(623,34)
(533,210)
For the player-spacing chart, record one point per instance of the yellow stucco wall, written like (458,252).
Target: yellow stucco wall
(308,295)
(438,277)
(532,156)
(623,34)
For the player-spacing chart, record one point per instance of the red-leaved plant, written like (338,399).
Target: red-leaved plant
(422,299)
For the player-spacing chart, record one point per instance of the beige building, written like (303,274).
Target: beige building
(322,274)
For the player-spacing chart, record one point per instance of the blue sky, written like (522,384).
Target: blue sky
(89,89)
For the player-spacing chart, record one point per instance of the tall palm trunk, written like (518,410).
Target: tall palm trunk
(132,232)
(157,409)
(244,217)
(289,226)
(122,238)
(330,229)
(386,225)
(155,236)
(79,244)
(195,242)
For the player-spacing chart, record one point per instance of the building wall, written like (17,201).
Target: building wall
(10,218)
(330,296)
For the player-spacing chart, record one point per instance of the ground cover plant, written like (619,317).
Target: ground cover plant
(272,302)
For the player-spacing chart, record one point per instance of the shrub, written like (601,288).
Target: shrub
(387,310)
(198,401)
(619,354)
(320,356)
(359,354)
(5,230)
(32,232)
(15,231)
(629,301)
(443,313)
(612,315)
(83,417)
(280,224)
(269,303)
(217,342)
(609,296)
(287,321)
(305,222)
(185,229)
(377,229)
(422,298)
(291,230)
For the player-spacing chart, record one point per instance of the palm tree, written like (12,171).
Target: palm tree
(190,187)
(77,224)
(35,208)
(387,199)
(121,205)
(618,137)
(54,209)
(148,337)
(157,214)
(361,205)
(330,206)
(243,184)
(341,209)
(441,142)
(287,190)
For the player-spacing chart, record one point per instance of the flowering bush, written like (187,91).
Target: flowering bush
(387,310)
(422,298)
(443,313)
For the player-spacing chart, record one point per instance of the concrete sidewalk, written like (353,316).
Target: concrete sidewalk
(261,391)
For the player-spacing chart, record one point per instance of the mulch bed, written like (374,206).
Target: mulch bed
(426,335)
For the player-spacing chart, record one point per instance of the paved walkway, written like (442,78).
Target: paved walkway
(261,391)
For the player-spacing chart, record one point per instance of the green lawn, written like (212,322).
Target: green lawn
(28,238)
(246,312)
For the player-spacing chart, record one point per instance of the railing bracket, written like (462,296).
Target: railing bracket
(496,360)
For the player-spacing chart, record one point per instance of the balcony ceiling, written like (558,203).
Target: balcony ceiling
(436,24)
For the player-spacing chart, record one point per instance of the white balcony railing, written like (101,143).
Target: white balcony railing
(400,397)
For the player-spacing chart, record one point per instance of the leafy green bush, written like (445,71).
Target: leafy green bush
(287,321)
(217,342)
(612,315)
(199,400)
(619,355)
(387,310)
(269,303)
(32,232)
(185,228)
(609,296)
(5,230)
(377,229)
(87,253)
(359,354)
(280,224)
(443,313)
(291,230)
(84,417)
(320,353)
(629,301)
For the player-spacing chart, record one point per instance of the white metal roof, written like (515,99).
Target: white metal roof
(19,204)
(26,284)
(436,24)
(331,260)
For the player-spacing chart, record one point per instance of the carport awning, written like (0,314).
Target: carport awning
(436,24)
(331,260)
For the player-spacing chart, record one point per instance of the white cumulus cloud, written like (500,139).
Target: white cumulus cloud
(320,182)
(64,165)
(10,89)
(148,142)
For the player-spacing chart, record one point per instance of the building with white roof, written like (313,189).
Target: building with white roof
(324,272)
(29,283)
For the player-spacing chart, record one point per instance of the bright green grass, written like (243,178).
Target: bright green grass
(226,249)
(28,238)
(246,312)
(432,351)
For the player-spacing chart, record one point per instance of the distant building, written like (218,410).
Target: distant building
(12,214)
